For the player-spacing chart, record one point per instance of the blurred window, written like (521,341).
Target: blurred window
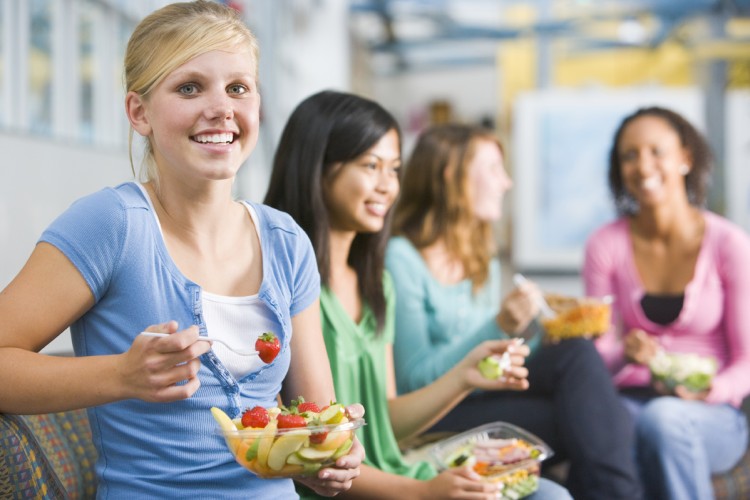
(87,67)
(40,67)
(3,62)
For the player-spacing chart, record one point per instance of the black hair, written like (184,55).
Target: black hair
(697,179)
(325,130)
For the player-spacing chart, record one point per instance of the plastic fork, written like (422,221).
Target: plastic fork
(207,339)
(546,310)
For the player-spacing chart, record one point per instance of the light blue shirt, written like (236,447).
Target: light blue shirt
(436,324)
(165,450)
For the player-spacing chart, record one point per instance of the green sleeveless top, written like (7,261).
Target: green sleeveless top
(357,355)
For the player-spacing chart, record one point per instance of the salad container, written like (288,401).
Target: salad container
(501,453)
(577,316)
(691,371)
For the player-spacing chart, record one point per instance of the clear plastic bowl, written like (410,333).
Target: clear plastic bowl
(274,453)
(577,316)
(691,371)
(515,468)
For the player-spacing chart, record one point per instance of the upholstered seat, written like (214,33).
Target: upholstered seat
(48,456)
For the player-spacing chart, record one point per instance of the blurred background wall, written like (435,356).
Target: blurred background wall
(554,77)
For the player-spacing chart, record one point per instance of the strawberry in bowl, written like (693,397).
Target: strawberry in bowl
(298,440)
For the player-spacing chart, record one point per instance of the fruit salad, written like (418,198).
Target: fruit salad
(298,440)
(499,452)
(577,317)
(691,371)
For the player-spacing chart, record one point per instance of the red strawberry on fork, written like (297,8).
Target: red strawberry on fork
(267,346)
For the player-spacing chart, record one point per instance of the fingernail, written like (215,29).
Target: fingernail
(324,475)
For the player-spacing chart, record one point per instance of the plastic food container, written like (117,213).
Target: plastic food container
(272,453)
(577,316)
(499,452)
(691,371)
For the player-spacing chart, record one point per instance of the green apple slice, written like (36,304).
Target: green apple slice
(333,414)
(315,455)
(283,447)
(343,449)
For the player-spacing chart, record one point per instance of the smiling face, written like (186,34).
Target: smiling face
(652,161)
(202,120)
(359,193)
(487,181)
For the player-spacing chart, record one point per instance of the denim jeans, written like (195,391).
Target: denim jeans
(549,490)
(680,443)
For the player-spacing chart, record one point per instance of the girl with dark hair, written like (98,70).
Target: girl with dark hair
(336,171)
(681,284)
(448,285)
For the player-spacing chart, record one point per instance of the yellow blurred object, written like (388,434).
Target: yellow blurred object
(577,317)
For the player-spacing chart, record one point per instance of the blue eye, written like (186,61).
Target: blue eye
(188,89)
(237,89)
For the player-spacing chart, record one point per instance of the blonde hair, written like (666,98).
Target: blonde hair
(168,38)
(435,199)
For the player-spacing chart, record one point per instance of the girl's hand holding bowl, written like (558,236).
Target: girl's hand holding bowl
(315,446)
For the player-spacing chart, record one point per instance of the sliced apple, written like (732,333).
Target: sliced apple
(247,450)
(294,459)
(333,440)
(283,447)
(266,441)
(228,428)
(333,414)
(342,450)
(315,454)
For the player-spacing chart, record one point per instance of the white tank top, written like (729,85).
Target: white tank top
(237,321)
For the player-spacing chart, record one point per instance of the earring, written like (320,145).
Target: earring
(684,169)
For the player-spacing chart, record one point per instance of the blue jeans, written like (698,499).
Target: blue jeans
(549,490)
(680,443)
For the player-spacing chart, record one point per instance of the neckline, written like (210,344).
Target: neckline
(333,299)
(172,266)
(640,290)
(636,276)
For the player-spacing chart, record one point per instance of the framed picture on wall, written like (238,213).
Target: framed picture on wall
(561,141)
(737,176)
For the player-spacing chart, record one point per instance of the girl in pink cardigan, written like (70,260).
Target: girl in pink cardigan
(680,278)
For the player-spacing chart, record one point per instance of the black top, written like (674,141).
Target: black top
(662,309)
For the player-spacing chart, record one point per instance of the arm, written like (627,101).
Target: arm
(459,483)
(310,376)
(418,359)
(416,411)
(46,297)
(309,372)
(597,277)
(732,384)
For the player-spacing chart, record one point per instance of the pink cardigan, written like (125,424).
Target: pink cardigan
(715,318)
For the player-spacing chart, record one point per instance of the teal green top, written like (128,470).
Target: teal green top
(437,324)
(357,356)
